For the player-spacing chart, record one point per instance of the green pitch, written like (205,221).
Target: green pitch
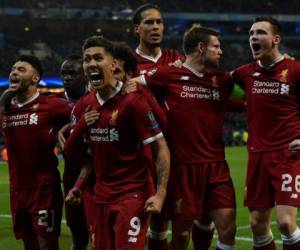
(237,159)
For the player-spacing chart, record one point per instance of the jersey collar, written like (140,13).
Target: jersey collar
(14,101)
(271,65)
(117,90)
(150,58)
(199,74)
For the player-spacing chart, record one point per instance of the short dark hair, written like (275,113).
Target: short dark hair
(196,34)
(137,16)
(33,61)
(124,52)
(98,41)
(276,26)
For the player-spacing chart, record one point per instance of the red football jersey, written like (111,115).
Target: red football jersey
(116,141)
(30,132)
(195,108)
(273,103)
(164,58)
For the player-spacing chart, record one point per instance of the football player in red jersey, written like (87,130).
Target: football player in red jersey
(30,122)
(74,82)
(200,179)
(124,185)
(271,83)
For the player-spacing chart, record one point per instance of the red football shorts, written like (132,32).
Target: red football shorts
(195,188)
(89,210)
(273,178)
(122,225)
(37,210)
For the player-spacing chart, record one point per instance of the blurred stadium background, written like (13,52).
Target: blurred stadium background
(55,29)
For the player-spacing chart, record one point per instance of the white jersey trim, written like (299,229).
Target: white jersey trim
(271,65)
(150,58)
(14,101)
(153,138)
(117,90)
(199,74)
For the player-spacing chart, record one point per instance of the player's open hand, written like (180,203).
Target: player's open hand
(154,204)
(294,146)
(90,116)
(130,86)
(74,197)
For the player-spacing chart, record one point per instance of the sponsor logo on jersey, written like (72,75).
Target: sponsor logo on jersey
(262,87)
(256,74)
(20,120)
(200,92)
(284,75)
(104,134)
(185,78)
(33,119)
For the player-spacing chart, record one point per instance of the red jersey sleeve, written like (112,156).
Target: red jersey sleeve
(156,78)
(60,110)
(75,142)
(144,121)
(158,112)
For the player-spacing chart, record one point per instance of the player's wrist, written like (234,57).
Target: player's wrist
(80,183)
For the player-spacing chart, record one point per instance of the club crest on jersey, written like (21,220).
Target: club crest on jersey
(33,119)
(214,81)
(35,107)
(284,75)
(114,116)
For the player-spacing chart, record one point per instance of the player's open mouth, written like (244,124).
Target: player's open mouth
(95,77)
(14,82)
(256,47)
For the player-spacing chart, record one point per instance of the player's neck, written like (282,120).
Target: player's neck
(76,93)
(106,92)
(269,60)
(27,95)
(193,63)
(151,51)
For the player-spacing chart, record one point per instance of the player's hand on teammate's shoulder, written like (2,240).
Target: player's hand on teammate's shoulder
(131,85)
(287,56)
(294,146)
(74,196)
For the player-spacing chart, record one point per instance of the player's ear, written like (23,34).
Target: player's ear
(113,65)
(201,47)
(35,78)
(277,39)
(136,30)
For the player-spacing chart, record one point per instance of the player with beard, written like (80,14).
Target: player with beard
(125,184)
(272,85)
(200,179)
(75,86)
(30,122)
(149,28)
